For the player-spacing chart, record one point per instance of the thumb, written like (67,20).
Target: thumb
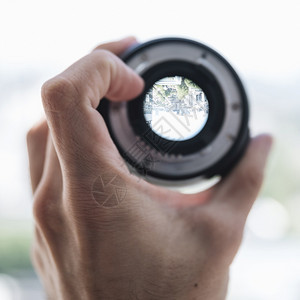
(242,185)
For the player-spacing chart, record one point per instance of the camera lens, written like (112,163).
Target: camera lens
(176,108)
(191,121)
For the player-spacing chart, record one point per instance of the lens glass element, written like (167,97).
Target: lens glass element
(176,108)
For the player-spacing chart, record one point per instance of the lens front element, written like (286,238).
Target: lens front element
(176,108)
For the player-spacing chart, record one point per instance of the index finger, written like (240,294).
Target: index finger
(71,98)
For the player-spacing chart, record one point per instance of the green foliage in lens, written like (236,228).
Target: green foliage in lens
(163,92)
(192,85)
(182,90)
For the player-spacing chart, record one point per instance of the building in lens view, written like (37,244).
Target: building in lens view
(178,102)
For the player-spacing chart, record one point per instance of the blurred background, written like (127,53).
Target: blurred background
(38,39)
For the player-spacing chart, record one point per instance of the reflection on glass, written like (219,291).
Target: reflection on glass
(176,108)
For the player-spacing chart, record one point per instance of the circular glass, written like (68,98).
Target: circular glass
(176,108)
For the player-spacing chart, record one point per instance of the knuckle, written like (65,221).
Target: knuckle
(35,133)
(106,61)
(253,178)
(45,210)
(31,135)
(58,93)
(103,55)
(41,209)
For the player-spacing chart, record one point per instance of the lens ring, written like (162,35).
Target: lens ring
(174,165)
(211,88)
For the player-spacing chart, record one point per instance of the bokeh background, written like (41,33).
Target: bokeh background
(260,38)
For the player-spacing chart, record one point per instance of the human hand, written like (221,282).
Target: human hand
(100,232)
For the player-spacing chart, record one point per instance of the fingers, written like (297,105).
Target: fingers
(36,144)
(83,84)
(52,176)
(239,190)
(43,160)
(48,196)
(70,101)
(118,47)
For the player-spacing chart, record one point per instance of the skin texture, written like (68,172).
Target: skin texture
(102,233)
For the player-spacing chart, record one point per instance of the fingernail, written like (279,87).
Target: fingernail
(266,143)
(129,40)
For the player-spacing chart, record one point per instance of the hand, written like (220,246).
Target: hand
(100,232)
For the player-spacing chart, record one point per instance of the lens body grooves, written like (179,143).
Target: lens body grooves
(190,122)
